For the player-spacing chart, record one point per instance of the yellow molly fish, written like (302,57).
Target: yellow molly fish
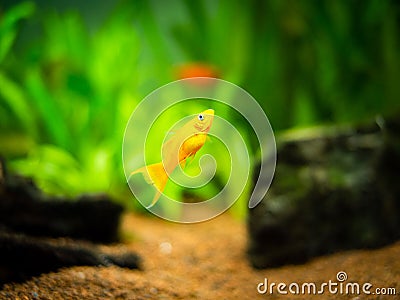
(185,142)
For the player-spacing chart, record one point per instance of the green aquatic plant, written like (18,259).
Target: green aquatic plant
(68,85)
(71,98)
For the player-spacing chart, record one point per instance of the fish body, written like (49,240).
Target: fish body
(185,143)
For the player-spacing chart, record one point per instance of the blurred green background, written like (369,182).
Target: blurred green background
(71,73)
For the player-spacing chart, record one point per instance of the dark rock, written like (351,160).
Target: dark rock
(41,234)
(334,189)
(23,208)
(22,256)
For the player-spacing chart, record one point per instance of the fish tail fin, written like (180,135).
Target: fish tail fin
(140,170)
(155,199)
(156,175)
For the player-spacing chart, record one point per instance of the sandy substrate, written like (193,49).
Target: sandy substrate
(207,261)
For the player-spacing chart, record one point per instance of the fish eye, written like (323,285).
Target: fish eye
(200,117)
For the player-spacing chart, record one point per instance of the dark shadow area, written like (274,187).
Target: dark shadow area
(40,234)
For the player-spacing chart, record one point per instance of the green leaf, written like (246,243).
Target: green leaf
(49,112)
(8,23)
(14,97)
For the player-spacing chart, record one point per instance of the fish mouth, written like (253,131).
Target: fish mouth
(208,112)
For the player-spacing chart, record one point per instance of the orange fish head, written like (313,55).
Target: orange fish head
(204,120)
